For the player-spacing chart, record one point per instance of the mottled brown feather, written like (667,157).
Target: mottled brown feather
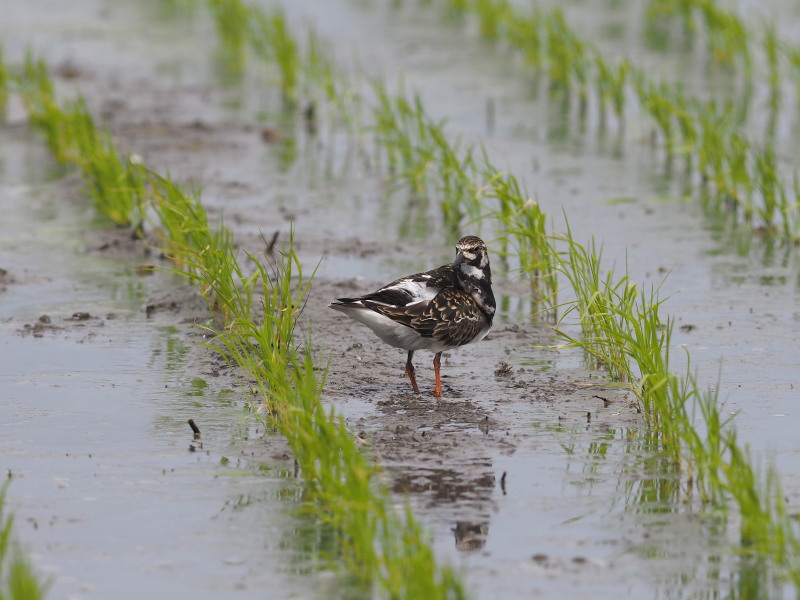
(451,317)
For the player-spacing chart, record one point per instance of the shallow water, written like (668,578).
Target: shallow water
(109,497)
(743,306)
(102,450)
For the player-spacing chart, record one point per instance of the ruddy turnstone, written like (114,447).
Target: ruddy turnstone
(438,310)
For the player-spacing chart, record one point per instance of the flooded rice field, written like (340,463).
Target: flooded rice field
(532,476)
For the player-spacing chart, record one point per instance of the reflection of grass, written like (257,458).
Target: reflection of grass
(17,579)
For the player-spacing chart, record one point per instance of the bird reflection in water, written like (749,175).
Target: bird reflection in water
(470,536)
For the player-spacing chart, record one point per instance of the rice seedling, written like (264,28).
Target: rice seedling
(231,18)
(321,73)
(655,99)
(774,209)
(706,134)
(206,257)
(491,16)
(726,34)
(525,228)
(772,52)
(273,41)
(403,139)
(419,155)
(457,191)
(567,55)
(18,581)
(611,83)
(5,78)
(728,37)
(72,136)
(715,122)
(38,98)
(597,305)
(113,182)
(687,128)
(525,34)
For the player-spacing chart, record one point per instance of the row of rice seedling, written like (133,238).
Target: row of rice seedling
(232,20)
(523,234)
(18,581)
(413,148)
(256,307)
(412,145)
(732,42)
(732,170)
(242,27)
(418,155)
(621,329)
(728,39)
(112,181)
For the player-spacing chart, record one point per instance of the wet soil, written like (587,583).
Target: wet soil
(440,453)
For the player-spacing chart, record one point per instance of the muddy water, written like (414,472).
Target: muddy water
(113,495)
(102,452)
(738,294)
(100,371)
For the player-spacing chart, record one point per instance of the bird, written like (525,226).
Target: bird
(437,310)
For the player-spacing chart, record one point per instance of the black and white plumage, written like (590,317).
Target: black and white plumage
(438,310)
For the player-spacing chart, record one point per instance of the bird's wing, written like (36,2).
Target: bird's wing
(451,317)
(420,287)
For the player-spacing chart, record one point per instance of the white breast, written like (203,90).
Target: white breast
(393,333)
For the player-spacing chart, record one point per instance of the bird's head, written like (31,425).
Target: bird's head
(472,258)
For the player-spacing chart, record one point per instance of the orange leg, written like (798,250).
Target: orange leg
(437,391)
(410,372)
